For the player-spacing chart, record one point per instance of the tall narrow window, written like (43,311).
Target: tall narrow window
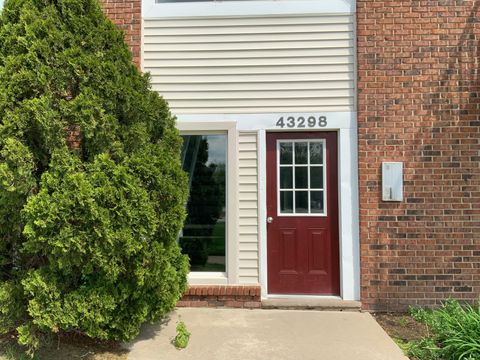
(203,237)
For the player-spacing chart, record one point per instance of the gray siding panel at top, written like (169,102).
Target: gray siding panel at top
(252,64)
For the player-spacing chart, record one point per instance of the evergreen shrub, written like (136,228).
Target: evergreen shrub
(88,232)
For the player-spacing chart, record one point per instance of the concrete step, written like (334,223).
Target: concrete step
(311,304)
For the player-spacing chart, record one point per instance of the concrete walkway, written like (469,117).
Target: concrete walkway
(230,334)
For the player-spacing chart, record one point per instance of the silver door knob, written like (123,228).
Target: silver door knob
(269,219)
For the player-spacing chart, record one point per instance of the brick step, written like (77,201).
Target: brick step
(230,296)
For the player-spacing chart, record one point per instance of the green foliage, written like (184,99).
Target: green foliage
(455,332)
(183,336)
(10,352)
(87,236)
(423,349)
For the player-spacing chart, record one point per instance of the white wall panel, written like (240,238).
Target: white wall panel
(248,261)
(252,64)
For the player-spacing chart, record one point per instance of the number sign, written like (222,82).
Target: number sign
(301,122)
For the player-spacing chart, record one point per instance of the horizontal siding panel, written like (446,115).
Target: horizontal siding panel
(248,221)
(249,263)
(248,167)
(248,204)
(248,21)
(252,64)
(247,155)
(248,230)
(249,46)
(248,188)
(272,94)
(247,180)
(247,138)
(247,171)
(251,239)
(248,216)
(233,62)
(240,22)
(260,70)
(248,162)
(301,30)
(251,280)
(253,196)
(251,248)
(245,37)
(254,78)
(249,103)
(264,109)
(251,273)
(249,255)
(240,87)
(150,54)
(249,146)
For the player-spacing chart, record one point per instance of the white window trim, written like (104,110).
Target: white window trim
(151,9)
(231,274)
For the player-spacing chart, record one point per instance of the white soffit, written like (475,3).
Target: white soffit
(151,9)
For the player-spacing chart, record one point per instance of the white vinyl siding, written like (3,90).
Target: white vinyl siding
(248,261)
(259,64)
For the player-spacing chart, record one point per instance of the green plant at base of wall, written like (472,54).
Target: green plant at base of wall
(92,193)
(455,333)
(183,336)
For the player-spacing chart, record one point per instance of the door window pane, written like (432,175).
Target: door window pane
(316,177)
(301,177)
(301,202)
(301,153)
(203,237)
(286,202)
(316,152)
(286,153)
(316,202)
(286,178)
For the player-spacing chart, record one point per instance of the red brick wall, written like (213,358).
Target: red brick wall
(419,102)
(127,15)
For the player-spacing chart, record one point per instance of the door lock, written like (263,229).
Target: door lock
(269,219)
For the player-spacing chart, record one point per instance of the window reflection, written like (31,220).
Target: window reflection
(203,237)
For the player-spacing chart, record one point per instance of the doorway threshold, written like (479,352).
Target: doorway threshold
(321,303)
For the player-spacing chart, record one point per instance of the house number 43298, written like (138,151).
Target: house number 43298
(302,122)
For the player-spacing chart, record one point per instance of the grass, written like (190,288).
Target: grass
(65,347)
(451,332)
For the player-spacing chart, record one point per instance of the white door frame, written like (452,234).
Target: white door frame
(347,198)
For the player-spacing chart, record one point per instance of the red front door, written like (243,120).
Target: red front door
(302,211)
